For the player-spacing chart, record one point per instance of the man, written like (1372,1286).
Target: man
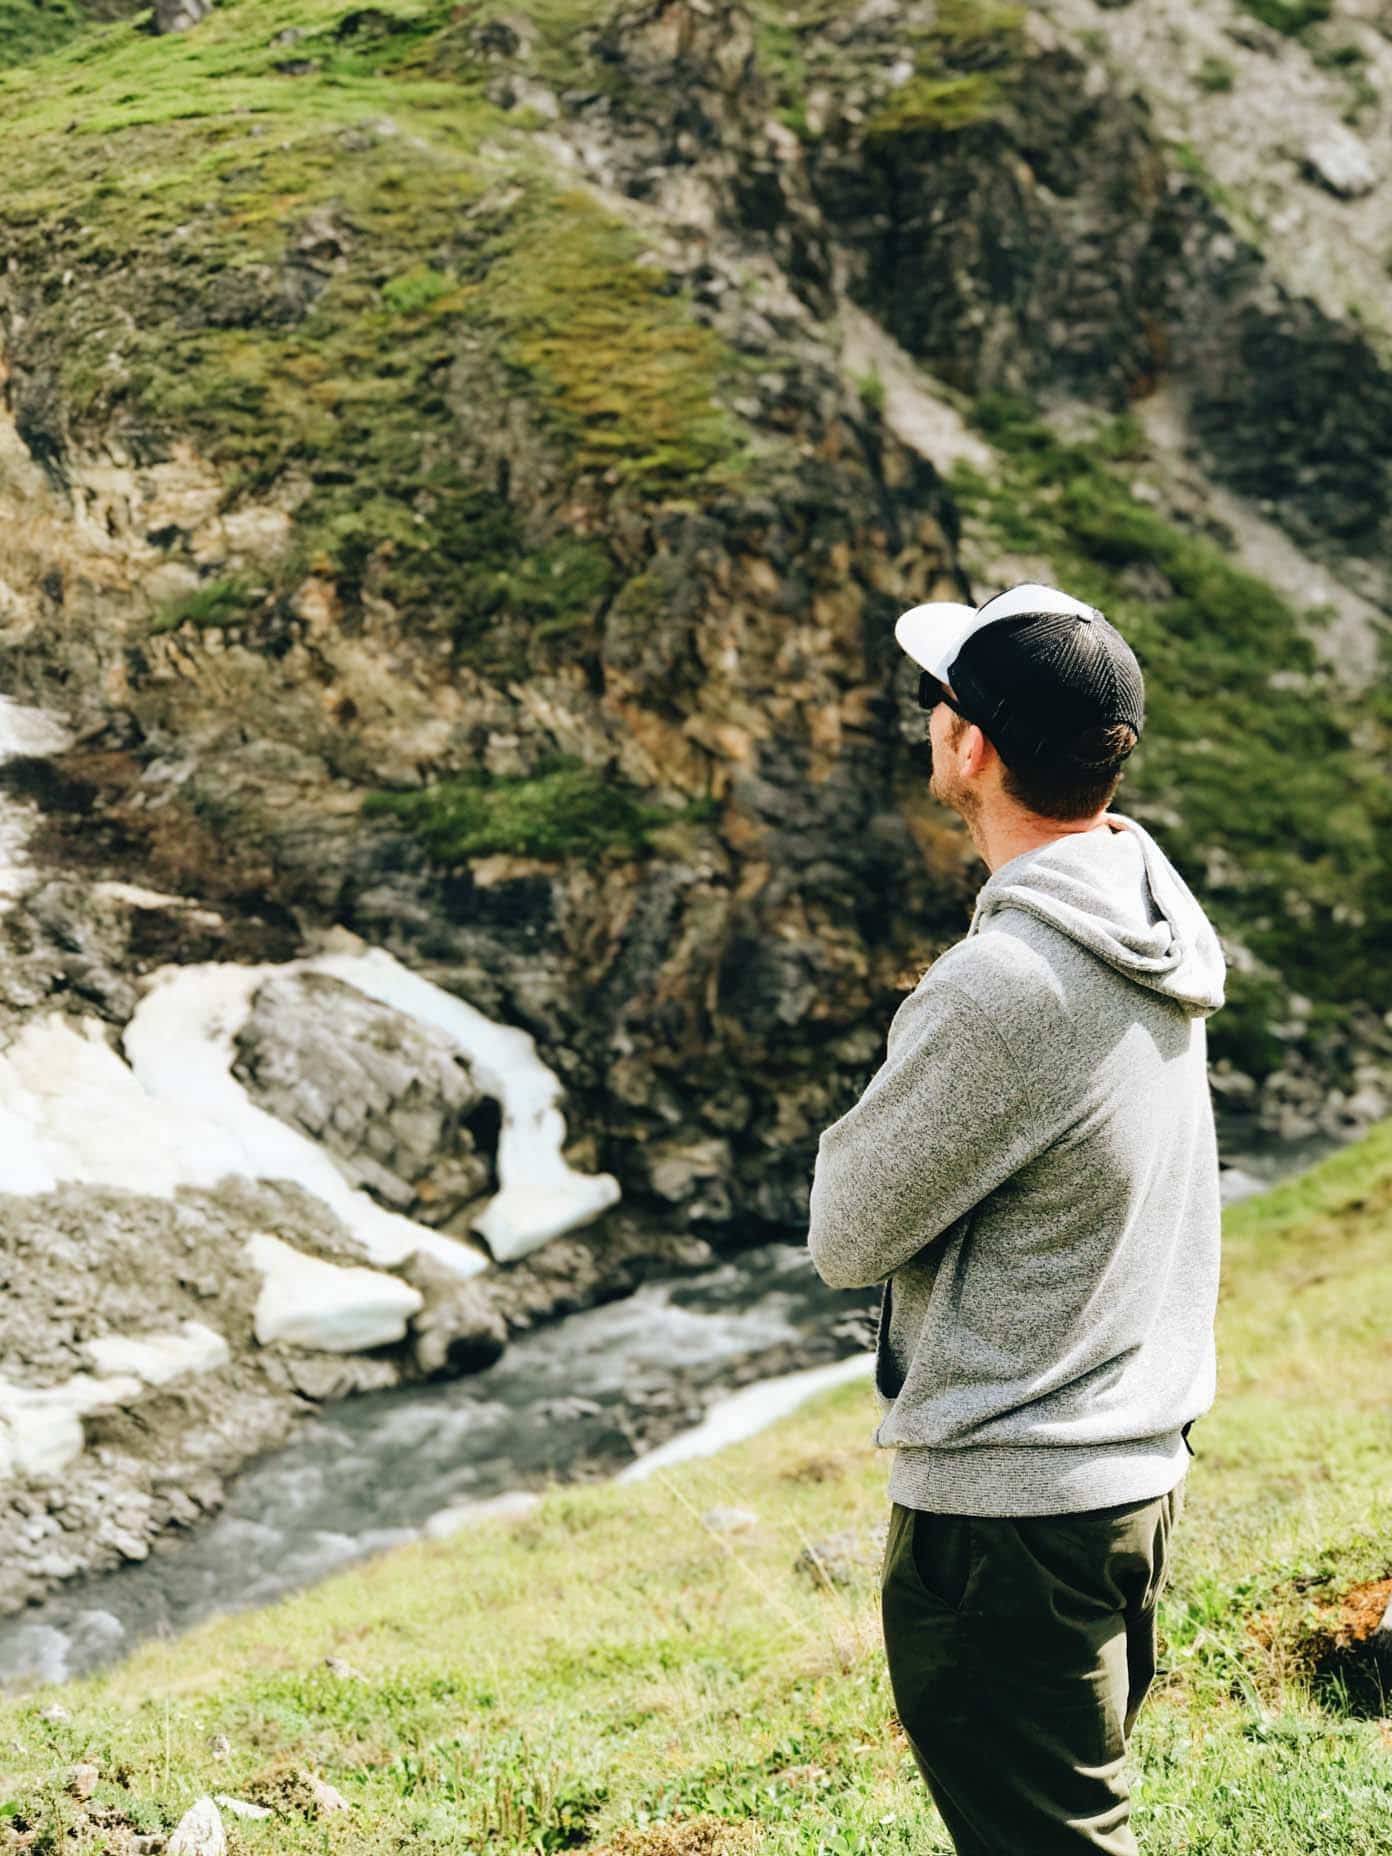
(1033,1175)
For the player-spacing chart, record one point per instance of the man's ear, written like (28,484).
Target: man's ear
(977,751)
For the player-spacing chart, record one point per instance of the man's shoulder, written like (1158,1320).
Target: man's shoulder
(1008,978)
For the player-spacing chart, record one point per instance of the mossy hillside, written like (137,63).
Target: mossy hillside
(564,810)
(612,1673)
(327,278)
(1249,738)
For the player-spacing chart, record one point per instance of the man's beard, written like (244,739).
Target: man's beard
(955,794)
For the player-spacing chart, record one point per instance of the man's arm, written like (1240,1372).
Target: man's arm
(949,1116)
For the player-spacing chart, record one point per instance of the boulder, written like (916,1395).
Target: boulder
(199,1831)
(1340,162)
(730,1520)
(178,16)
(327,1307)
(843,1558)
(389,1098)
(459,1329)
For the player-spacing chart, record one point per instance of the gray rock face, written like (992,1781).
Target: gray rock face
(85,1268)
(390,1099)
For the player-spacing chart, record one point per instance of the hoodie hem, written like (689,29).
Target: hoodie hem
(1024,1479)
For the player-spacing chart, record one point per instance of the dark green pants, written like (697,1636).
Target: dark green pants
(1020,1651)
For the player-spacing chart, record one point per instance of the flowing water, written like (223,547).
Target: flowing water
(573,1399)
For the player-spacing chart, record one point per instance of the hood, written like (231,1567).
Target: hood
(1116,893)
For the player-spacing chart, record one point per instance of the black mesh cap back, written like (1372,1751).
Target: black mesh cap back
(1035,682)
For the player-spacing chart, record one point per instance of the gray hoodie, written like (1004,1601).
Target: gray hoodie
(1033,1175)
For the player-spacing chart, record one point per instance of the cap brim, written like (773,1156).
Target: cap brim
(932,635)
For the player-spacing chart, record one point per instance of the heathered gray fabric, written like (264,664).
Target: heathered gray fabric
(1033,1174)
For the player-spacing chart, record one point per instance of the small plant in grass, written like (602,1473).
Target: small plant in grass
(415,290)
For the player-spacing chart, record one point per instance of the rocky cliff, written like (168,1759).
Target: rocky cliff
(459,466)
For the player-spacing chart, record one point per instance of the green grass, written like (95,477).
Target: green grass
(969,62)
(30,29)
(565,810)
(1281,771)
(609,1669)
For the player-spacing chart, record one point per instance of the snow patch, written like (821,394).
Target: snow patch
(180,1047)
(331,1307)
(156,1359)
(747,1411)
(41,1427)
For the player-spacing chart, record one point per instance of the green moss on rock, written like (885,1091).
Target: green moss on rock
(217,603)
(1289,16)
(565,810)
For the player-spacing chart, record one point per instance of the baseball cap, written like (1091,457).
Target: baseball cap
(1033,667)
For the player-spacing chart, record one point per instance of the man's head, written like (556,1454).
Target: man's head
(1036,701)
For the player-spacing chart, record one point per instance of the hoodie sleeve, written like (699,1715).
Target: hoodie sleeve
(949,1116)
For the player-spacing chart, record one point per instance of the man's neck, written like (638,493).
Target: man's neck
(1003,836)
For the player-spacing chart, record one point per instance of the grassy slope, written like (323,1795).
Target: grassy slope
(609,1666)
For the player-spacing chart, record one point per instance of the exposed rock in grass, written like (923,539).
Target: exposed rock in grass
(1351,1653)
(843,1558)
(199,1832)
(178,16)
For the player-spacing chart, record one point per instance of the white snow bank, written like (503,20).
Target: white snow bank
(22,731)
(180,1046)
(41,1427)
(71,1110)
(510,1505)
(156,1359)
(333,1307)
(541,1196)
(29,731)
(747,1411)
